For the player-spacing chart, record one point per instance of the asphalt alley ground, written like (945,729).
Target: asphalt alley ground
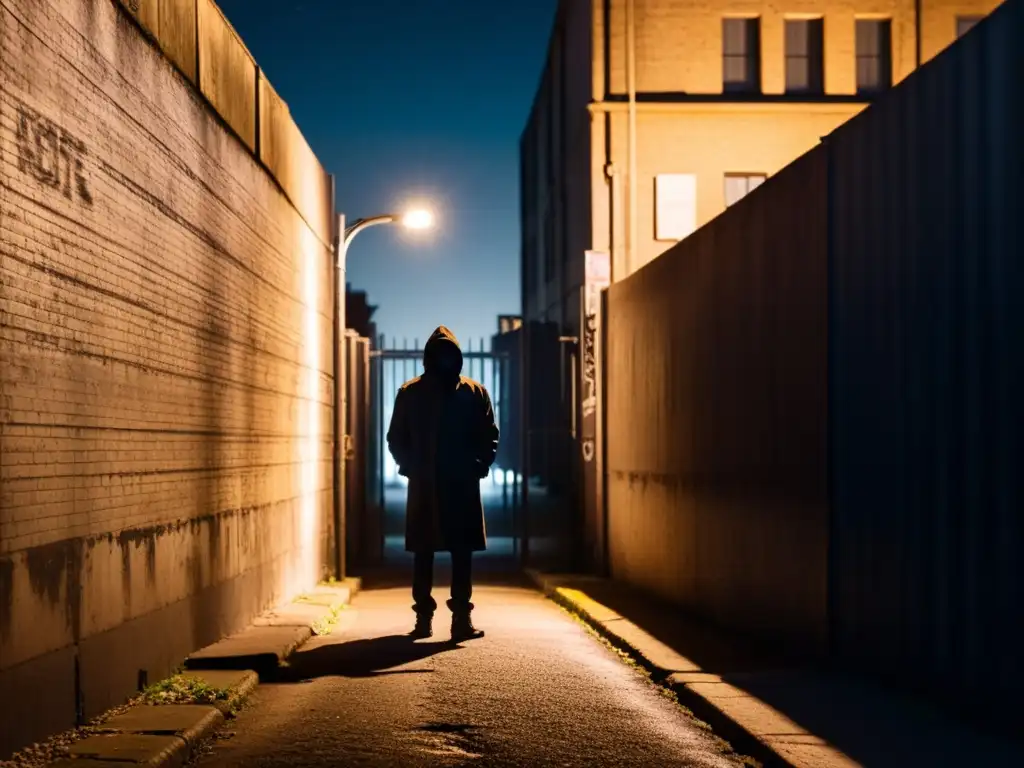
(538,690)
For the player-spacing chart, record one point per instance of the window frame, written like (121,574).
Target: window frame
(814,56)
(746,176)
(883,57)
(971,18)
(751,56)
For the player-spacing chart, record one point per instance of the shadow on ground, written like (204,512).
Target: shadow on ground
(369,657)
(872,723)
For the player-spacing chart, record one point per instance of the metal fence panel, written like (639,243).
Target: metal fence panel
(926,349)
(716,415)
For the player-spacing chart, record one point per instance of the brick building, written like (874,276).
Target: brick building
(726,94)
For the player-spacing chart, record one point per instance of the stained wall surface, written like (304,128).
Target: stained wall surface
(165,331)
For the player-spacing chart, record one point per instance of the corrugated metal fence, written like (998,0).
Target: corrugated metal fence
(926,349)
(925,369)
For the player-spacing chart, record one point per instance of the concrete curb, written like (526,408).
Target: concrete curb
(163,735)
(168,735)
(277,633)
(742,720)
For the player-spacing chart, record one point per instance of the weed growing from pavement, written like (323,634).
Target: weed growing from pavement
(327,624)
(628,659)
(179,689)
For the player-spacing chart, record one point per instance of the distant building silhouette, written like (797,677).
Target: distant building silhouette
(359,314)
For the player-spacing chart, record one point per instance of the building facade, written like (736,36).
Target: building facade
(651,117)
(726,94)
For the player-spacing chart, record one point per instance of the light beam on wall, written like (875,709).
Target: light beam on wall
(310,427)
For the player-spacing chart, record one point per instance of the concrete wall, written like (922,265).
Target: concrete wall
(715,415)
(165,341)
(227,72)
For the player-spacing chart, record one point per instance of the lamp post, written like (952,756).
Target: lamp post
(414,219)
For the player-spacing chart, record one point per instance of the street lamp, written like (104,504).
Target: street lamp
(416,218)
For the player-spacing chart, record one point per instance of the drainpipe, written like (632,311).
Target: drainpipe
(614,177)
(918,11)
(631,87)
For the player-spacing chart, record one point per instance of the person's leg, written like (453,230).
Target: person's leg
(462,592)
(424,604)
(462,583)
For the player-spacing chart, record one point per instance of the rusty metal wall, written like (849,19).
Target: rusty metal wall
(926,351)
(716,412)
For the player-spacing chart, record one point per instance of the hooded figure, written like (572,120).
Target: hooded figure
(444,440)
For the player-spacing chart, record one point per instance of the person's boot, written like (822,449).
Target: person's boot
(463,629)
(424,626)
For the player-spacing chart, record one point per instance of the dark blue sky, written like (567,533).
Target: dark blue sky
(406,99)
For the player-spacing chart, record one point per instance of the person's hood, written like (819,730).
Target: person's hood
(438,340)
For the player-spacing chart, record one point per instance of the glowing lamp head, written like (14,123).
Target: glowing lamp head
(418,219)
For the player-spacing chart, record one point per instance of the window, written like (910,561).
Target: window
(805,70)
(675,205)
(741,55)
(738,185)
(965,23)
(874,55)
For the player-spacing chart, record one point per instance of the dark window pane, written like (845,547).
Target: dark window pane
(867,37)
(796,37)
(741,52)
(797,78)
(804,55)
(874,55)
(734,37)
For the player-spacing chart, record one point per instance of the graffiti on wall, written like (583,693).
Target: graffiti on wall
(588,449)
(589,345)
(597,277)
(51,155)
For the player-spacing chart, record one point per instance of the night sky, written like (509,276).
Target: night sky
(405,100)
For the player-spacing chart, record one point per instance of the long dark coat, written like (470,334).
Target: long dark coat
(444,439)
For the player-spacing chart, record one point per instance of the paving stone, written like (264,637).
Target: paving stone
(191,722)
(257,648)
(294,615)
(165,751)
